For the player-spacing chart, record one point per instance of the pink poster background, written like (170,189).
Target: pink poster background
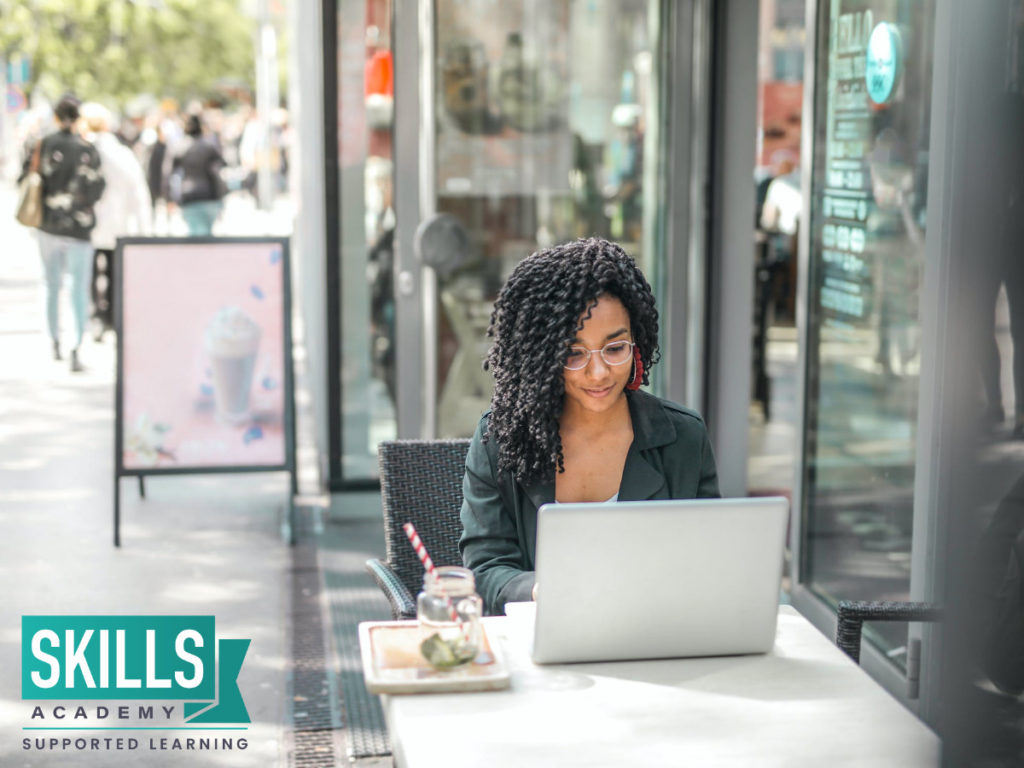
(171,292)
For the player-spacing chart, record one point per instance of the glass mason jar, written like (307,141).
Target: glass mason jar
(446,643)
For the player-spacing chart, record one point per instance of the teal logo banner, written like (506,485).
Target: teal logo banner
(135,657)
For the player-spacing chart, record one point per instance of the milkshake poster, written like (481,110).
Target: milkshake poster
(203,354)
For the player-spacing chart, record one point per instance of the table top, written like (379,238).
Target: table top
(804,704)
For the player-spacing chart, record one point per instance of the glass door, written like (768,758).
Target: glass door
(868,224)
(543,124)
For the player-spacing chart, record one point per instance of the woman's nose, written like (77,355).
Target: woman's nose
(596,365)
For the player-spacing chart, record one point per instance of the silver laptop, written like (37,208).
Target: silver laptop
(658,579)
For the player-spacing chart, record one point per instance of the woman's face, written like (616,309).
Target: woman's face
(599,386)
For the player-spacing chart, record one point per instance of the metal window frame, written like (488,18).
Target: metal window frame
(687,97)
(730,285)
(415,287)
(802,598)
(308,235)
(943,490)
(334,277)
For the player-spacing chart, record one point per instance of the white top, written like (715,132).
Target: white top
(125,208)
(804,704)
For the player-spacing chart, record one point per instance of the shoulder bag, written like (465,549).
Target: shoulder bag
(30,193)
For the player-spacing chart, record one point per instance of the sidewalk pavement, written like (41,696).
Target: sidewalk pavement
(199,545)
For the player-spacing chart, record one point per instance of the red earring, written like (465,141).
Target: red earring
(638,371)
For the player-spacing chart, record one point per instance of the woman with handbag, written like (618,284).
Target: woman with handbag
(196,184)
(71,183)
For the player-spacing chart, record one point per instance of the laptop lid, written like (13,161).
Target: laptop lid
(658,579)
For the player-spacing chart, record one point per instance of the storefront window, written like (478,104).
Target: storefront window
(545,113)
(868,223)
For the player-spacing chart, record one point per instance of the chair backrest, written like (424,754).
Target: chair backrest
(421,483)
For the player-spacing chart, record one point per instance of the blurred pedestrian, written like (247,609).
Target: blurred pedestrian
(196,184)
(252,153)
(156,175)
(72,183)
(124,209)
(283,138)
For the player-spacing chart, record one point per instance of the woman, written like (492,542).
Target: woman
(73,182)
(574,335)
(125,208)
(196,182)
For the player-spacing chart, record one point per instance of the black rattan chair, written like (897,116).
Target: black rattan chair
(853,614)
(421,483)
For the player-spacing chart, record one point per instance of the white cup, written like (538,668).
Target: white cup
(232,343)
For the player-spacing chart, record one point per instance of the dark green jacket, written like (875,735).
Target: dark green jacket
(670,458)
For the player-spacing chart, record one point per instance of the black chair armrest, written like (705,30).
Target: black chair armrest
(853,614)
(403,603)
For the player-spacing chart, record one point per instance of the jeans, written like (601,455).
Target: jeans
(61,253)
(199,217)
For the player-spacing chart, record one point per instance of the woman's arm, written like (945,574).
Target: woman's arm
(490,539)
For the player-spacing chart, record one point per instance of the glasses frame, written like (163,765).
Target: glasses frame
(600,350)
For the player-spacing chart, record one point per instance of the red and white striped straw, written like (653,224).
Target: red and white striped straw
(428,565)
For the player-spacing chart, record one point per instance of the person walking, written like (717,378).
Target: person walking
(196,183)
(70,168)
(124,209)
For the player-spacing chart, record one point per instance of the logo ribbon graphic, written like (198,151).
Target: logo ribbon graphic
(135,657)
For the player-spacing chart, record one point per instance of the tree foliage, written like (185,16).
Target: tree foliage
(114,50)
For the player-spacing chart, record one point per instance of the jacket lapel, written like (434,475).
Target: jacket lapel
(639,479)
(651,429)
(540,493)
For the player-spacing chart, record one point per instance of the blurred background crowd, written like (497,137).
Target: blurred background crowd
(152,66)
(182,105)
(159,132)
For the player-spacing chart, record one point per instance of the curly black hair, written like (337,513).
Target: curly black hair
(536,317)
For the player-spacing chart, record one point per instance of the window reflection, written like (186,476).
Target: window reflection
(868,224)
(541,115)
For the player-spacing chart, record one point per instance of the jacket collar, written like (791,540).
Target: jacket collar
(651,426)
(651,429)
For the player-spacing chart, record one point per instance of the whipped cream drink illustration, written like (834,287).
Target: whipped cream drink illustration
(232,341)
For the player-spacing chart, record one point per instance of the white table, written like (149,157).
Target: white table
(804,704)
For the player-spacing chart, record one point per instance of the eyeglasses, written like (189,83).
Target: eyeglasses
(613,353)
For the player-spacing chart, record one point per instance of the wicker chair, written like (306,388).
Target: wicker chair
(421,483)
(853,614)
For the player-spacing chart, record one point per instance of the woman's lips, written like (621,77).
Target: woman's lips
(599,392)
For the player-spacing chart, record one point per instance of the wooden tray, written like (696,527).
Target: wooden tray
(392,663)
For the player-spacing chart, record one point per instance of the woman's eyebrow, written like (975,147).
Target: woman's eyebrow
(578,343)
